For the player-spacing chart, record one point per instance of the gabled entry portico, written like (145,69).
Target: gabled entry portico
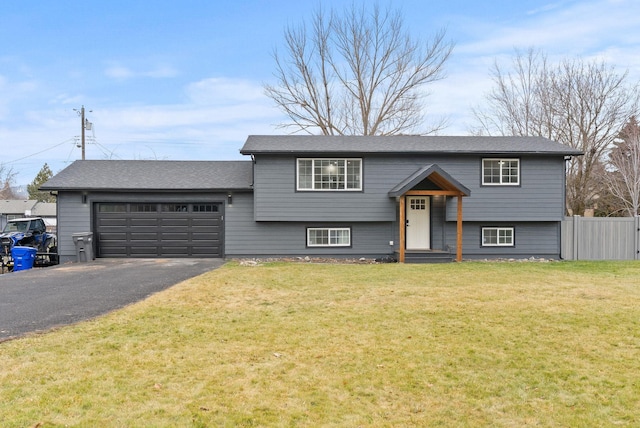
(414,195)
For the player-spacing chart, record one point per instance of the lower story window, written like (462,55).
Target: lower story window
(497,237)
(329,237)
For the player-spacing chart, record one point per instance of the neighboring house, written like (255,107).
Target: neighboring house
(412,197)
(17,208)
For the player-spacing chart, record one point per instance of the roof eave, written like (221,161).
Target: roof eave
(146,189)
(412,152)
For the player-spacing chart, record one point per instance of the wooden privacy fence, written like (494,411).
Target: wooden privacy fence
(596,238)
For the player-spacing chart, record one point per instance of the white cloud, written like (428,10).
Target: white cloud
(576,29)
(66,99)
(595,30)
(220,91)
(120,72)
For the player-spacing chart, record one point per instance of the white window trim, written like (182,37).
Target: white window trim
(313,183)
(501,183)
(498,230)
(329,230)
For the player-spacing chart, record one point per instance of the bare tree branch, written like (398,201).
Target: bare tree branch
(356,74)
(624,161)
(7,176)
(577,103)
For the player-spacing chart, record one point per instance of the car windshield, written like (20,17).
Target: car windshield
(16,226)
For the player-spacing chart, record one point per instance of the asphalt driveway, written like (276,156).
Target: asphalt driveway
(42,298)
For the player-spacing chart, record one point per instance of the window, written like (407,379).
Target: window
(418,204)
(112,208)
(329,174)
(504,172)
(497,237)
(174,208)
(328,237)
(205,208)
(143,208)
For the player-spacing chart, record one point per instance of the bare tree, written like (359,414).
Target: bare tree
(6,183)
(359,73)
(578,103)
(514,105)
(624,160)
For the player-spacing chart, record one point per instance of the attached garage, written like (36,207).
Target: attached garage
(158,229)
(142,209)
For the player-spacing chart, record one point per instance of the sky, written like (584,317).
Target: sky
(183,80)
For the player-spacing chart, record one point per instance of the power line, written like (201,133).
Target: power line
(37,153)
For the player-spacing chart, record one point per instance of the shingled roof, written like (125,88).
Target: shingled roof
(153,175)
(409,144)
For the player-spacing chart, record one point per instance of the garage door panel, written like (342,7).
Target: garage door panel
(173,232)
(142,229)
(206,237)
(138,235)
(141,222)
(142,251)
(113,251)
(109,221)
(141,241)
(112,236)
(175,236)
(205,229)
(198,222)
(174,251)
(211,242)
(184,222)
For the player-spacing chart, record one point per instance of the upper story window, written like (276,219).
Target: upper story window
(505,172)
(329,174)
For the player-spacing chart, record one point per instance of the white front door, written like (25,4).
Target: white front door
(418,223)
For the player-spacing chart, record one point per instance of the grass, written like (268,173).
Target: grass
(286,344)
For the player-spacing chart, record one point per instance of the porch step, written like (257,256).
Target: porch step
(428,257)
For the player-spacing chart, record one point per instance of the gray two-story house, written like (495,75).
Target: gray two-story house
(412,197)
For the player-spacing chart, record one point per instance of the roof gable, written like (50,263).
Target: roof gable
(433,173)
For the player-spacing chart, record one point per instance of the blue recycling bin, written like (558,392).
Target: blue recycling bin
(23,257)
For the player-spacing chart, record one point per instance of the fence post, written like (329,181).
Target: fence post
(576,237)
(636,224)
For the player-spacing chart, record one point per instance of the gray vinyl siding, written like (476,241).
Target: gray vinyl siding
(277,199)
(73,217)
(532,239)
(248,238)
(539,197)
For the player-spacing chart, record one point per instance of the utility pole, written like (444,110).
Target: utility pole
(84,124)
(82,133)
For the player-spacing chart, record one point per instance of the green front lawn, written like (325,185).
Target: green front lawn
(292,344)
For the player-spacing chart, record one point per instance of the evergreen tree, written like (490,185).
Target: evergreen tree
(44,175)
